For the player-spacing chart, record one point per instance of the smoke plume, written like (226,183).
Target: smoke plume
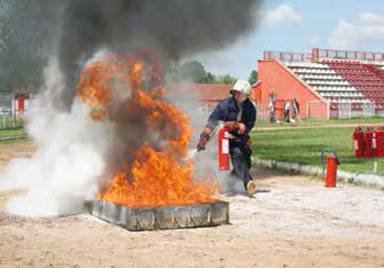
(174,27)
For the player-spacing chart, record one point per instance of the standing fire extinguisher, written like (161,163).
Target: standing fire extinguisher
(374,143)
(358,142)
(380,141)
(223,148)
(370,143)
(331,171)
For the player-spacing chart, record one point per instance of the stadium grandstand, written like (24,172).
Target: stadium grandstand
(326,83)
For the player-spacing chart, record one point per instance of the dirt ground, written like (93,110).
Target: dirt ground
(292,222)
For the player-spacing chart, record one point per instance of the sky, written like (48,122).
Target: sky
(299,26)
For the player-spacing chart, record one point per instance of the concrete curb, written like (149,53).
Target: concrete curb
(21,137)
(363,179)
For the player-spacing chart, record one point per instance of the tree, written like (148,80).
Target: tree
(209,78)
(193,71)
(225,79)
(21,42)
(253,77)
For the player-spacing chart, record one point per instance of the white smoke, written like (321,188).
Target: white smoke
(206,163)
(70,157)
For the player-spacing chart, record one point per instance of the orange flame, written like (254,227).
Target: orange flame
(156,177)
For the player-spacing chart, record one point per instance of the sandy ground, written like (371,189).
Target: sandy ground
(22,148)
(292,222)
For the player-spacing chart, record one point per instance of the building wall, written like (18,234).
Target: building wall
(256,92)
(275,77)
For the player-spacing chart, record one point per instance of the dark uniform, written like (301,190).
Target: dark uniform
(239,147)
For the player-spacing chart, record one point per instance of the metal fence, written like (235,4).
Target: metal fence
(316,55)
(368,110)
(344,110)
(9,116)
(262,113)
(336,111)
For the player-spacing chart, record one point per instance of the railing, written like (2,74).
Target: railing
(286,56)
(10,115)
(7,120)
(317,54)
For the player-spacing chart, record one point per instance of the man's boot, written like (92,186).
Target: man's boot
(251,187)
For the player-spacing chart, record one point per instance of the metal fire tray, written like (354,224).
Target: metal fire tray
(159,218)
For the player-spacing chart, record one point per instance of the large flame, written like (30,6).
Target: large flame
(158,175)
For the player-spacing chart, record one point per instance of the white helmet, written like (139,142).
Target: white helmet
(242,86)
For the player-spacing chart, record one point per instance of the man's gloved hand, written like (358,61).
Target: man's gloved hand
(242,129)
(204,138)
(231,125)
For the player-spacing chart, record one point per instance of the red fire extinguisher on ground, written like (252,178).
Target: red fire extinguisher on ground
(223,148)
(331,172)
(380,141)
(370,143)
(358,142)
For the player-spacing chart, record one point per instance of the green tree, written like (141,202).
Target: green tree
(209,78)
(21,42)
(253,77)
(225,79)
(193,71)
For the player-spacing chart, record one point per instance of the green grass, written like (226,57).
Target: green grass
(303,146)
(10,123)
(14,132)
(322,122)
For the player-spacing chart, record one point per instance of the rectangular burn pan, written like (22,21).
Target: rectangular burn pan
(160,218)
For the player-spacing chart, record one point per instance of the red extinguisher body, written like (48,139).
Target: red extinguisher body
(223,148)
(331,171)
(380,142)
(358,142)
(370,143)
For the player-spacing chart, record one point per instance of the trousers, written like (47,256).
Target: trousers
(241,161)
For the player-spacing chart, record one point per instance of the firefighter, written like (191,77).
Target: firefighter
(272,108)
(287,107)
(238,115)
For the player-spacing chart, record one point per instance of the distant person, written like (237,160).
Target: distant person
(238,115)
(271,112)
(287,108)
(272,108)
(295,110)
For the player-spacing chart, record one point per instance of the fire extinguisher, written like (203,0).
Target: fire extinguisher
(370,143)
(331,172)
(374,143)
(380,141)
(358,142)
(223,148)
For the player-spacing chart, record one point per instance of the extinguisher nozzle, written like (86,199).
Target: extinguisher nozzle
(190,154)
